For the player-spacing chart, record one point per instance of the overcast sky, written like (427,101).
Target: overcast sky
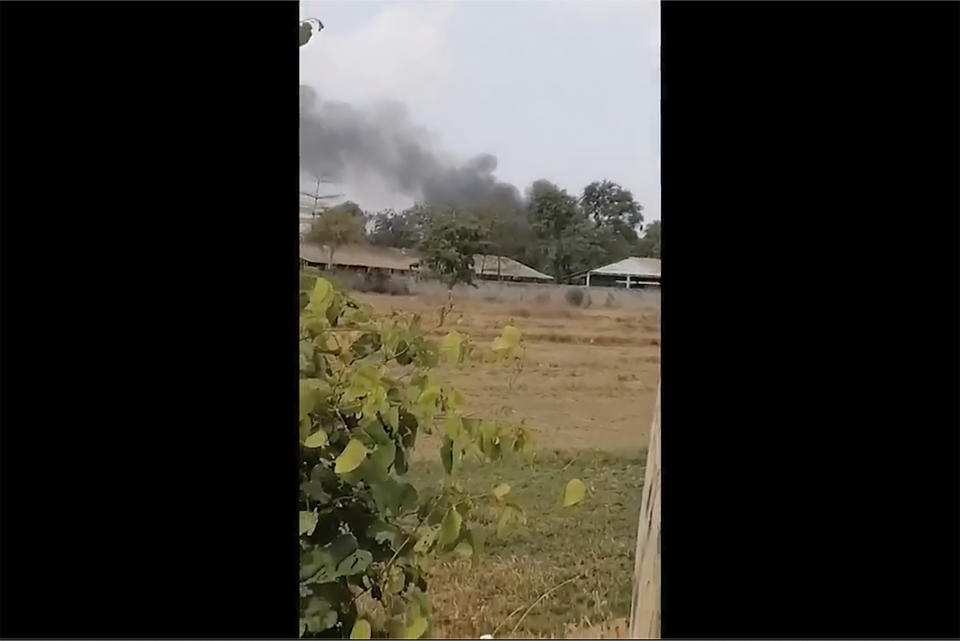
(564,90)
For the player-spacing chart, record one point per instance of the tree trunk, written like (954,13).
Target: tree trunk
(645,607)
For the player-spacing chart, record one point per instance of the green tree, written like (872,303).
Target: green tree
(612,207)
(338,225)
(562,236)
(451,238)
(398,229)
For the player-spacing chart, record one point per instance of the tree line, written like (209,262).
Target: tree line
(555,232)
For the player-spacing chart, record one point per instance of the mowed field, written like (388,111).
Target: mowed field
(586,392)
(589,378)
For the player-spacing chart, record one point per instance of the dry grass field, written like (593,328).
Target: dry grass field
(587,393)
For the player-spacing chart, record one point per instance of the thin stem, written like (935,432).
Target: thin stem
(534,604)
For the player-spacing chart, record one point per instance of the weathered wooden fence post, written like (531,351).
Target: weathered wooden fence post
(645,607)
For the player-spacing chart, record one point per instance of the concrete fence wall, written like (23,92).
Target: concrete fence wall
(495,291)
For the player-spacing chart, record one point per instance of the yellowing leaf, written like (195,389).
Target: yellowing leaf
(351,457)
(574,492)
(463,549)
(361,629)
(308,521)
(455,398)
(317,439)
(508,340)
(392,417)
(312,391)
(451,427)
(501,490)
(321,295)
(418,625)
(450,526)
(450,346)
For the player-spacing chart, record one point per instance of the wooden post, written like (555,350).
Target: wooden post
(645,606)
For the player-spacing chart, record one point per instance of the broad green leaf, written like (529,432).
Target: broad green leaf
(396,581)
(383,532)
(574,492)
(500,490)
(355,563)
(430,392)
(320,620)
(450,526)
(352,456)
(383,455)
(450,347)
(426,535)
(316,565)
(416,628)
(450,455)
(315,491)
(392,417)
(312,391)
(317,439)
(361,629)
(321,296)
(451,427)
(391,496)
(308,521)
(304,428)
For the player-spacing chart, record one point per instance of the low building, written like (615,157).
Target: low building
(502,268)
(631,273)
(362,258)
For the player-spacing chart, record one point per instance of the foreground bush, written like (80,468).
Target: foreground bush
(367,536)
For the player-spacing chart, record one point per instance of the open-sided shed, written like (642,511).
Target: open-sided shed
(632,272)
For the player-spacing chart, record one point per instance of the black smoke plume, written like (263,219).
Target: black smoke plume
(338,140)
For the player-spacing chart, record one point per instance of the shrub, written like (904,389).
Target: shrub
(367,536)
(380,283)
(574,297)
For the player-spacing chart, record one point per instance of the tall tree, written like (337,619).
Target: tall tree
(337,226)
(451,238)
(398,229)
(611,206)
(561,232)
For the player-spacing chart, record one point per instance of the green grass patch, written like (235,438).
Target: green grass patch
(593,540)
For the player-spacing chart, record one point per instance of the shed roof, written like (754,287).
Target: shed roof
(486,265)
(632,266)
(360,256)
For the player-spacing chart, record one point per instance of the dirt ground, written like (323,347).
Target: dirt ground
(590,375)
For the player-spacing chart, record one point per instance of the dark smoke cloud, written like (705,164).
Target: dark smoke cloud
(339,140)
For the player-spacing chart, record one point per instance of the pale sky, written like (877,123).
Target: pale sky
(563,90)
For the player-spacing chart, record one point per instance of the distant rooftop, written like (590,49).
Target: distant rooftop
(486,265)
(360,256)
(633,266)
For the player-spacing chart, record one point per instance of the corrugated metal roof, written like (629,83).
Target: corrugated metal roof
(486,265)
(404,259)
(360,256)
(633,266)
